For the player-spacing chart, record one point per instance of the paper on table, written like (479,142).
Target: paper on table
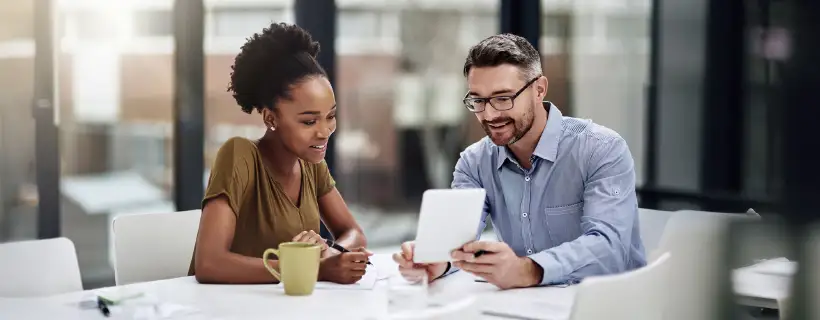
(167,311)
(138,306)
(778,267)
(385,266)
(365,283)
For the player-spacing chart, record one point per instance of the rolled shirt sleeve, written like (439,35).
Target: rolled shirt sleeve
(609,211)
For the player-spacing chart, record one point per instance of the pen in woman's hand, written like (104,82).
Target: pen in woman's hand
(340,248)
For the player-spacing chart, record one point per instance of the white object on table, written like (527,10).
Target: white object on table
(367,282)
(544,303)
(766,284)
(775,267)
(449,218)
(464,308)
(405,296)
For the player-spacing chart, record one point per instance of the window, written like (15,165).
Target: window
(95,25)
(555,26)
(243,22)
(153,23)
(627,26)
(477,26)
(358,24)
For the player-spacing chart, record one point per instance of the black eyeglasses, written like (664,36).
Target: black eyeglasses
(500,103)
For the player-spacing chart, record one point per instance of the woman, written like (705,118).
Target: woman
(278,188)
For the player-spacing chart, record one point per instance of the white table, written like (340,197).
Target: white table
(269,301)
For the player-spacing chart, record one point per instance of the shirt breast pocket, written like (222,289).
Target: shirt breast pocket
(564,223)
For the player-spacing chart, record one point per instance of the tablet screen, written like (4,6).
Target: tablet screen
(449,218)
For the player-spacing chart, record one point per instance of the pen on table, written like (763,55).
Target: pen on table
(506,315)
(340,248)
(103,307)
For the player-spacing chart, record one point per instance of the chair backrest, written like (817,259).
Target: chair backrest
(652,224)
(682,222)
(39,268)
(696,240)
(634,295)
(154,246)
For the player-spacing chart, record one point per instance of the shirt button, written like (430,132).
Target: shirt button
(524,214)
(527,178)
(529,251)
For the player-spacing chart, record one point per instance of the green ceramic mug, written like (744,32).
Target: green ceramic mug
(298,266)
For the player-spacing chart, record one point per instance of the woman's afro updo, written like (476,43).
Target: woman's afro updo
(270,63)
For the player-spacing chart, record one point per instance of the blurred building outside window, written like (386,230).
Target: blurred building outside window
(398,84)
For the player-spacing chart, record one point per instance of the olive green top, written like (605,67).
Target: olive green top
(265,215)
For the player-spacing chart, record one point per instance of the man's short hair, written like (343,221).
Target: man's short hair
(505,49)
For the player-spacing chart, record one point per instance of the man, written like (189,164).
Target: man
(560,190)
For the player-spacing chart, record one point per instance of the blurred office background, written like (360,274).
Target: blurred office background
(113,116)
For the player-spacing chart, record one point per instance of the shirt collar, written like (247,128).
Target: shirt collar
(547,147)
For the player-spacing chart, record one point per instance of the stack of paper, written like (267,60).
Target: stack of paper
(368,282)
(766,284)
(776,267)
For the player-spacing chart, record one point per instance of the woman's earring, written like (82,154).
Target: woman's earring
(272,128)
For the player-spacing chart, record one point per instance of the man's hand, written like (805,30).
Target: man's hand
(415,271)
(498,265)
(344,268)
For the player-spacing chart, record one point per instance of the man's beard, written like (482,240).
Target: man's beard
(520,128)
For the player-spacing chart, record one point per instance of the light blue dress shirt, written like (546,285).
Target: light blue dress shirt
(574,212)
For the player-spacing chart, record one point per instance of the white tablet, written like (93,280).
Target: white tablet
(449,218)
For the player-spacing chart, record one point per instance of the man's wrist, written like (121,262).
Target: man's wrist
(447,268)
(532,271)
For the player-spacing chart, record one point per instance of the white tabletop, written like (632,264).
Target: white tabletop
(269,301)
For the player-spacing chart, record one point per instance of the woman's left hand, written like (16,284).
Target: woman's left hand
(313,238)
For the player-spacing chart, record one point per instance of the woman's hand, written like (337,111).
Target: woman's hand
(313,238)
(344,268)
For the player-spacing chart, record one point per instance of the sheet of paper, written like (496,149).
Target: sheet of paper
(385,266)
(777,267)
(365,283)
(767,279)
(143,306)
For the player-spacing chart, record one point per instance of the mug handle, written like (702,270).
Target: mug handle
(265,262)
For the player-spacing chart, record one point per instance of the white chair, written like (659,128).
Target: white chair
(696,240)
(680,223)
(154,246)
(634,295)
(652,224)
(39,268)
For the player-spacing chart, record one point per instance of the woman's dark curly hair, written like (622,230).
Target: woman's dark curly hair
(270,63)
